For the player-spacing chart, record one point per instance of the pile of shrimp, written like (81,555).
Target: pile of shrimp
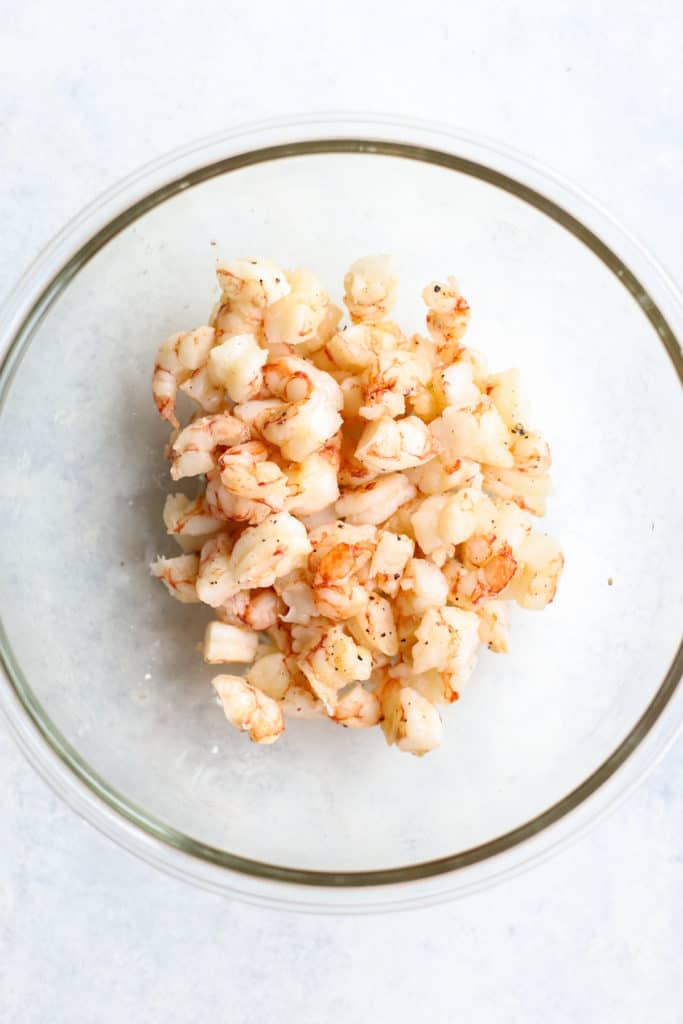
(366,501)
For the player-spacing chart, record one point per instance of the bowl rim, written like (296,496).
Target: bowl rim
(30,300)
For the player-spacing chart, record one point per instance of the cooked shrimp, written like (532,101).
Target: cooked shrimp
(477,433)
(393,376)
(410,721)
(296,318)
(370,288)
(493,626)
(447,317)
(231,508)
(330,660)
(387,445)
(225,643)
(248,709)
(246,472)
(447,639)
(236,366)
(487,565)
(179,576)
(189,521)
(357,708)
(250,284)
(197,447)
(339,554)
(215,583)
(178,357)
(376,501)
(265,552)
(258,609)
(541,564)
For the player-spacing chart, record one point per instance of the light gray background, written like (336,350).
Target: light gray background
(86,95)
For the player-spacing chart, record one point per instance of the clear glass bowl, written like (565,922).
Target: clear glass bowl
(104,687)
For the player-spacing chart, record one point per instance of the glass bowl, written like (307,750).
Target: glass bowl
(105,690)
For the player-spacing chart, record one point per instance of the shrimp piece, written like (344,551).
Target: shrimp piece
(505,391)
(251,285)
(231,508)
(374,627)
(530,450)
(393,376)
(456,384)
(355,348)
(257,609)
(446,472)
(236,366)
(357,708)
(330,660)
(263,553)
(179,576)
(541,563)
(178,357)
(487,566)
(447,639)
(246,472)
(442,521)
(527,488)
(295,591)
(269,674)
(189,521)
(339,554)
(392,554)
(479,434)
(387,445)
(370,289)
(313,483)
(197,447)
(296,318)
(423,586)
(493,626)
(447,318)
(296,380)
(377,501)
(224,642)
(409,720)
(214,579)
(200,387)
(248,709)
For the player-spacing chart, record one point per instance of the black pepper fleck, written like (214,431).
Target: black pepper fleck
(437,287)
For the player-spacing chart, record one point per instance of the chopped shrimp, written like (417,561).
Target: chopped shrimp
(493,626)
(196,448)
(248,709)
(265,552)
(387,445)
(225,643)
(179,576)
(447,317)
(246,472)
(477,433)
(370,288)
(189,521)
(376,501)
(231,508)
(178,357)
(236,366)
(364,515)
(409,720)
(357,708)
(330,660)
(258,609)
(251,284)
(202,389)
(447,640)
(541,564)
(339,554)
(215,583)
(392,377)
(487,565)
(296,318)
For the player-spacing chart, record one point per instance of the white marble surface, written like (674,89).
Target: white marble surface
(86,94)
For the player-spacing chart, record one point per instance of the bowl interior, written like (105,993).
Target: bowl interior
(113,662)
